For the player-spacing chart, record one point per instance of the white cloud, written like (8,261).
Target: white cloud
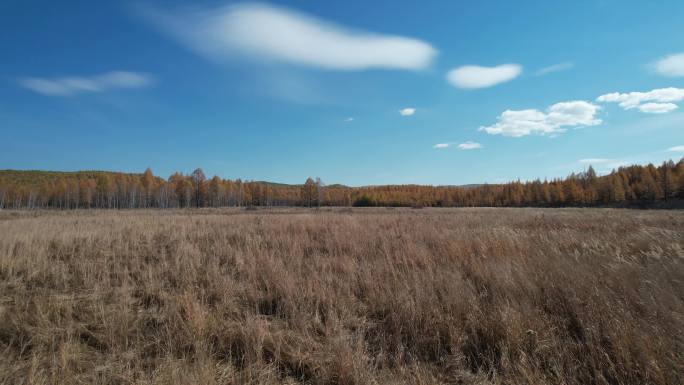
(655,101)
(676,149)
(350,119)
(472,76)
(279,34)
(555,68)
(657,108)
(66,86)
(469,145)
(554,120)
(596,161)
(671,65)
(407,111)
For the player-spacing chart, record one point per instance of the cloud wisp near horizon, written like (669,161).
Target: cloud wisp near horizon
(606,165)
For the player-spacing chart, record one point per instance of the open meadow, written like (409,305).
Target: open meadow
(342,296)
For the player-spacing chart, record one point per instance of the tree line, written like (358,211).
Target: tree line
(627,186)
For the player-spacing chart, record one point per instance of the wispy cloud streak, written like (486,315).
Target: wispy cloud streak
(71,85)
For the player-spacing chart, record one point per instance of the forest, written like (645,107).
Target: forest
(629,186)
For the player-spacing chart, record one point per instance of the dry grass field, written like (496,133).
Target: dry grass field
(341,296)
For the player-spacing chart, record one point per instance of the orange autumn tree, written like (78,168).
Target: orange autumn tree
(627,186)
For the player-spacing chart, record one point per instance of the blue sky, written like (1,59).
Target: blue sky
(356,92)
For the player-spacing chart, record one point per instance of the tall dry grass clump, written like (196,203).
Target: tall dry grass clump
(462,296)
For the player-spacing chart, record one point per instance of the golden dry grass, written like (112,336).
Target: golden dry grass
(377,296)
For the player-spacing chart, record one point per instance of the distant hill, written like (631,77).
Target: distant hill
(36,177)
